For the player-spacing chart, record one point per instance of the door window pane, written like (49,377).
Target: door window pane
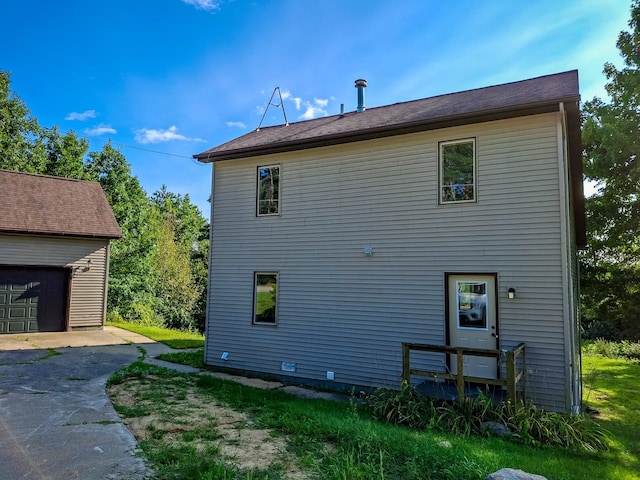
(472,304)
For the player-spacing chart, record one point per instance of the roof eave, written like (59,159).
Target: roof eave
(574,141)
(61,234)
(386,131)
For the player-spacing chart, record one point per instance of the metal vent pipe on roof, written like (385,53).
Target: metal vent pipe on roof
(361,84)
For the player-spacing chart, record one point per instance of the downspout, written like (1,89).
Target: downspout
(573,387)
(106,283)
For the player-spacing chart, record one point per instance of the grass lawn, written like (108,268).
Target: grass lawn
(612,385)
(172,338)
(201,427)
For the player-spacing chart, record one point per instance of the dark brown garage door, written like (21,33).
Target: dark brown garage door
(33,299)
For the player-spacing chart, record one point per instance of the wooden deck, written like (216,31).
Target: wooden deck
(513,360)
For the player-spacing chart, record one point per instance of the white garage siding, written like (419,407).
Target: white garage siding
(342,311)
(88,288)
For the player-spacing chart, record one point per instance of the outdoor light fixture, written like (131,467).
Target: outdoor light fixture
(512,293)
(88,266)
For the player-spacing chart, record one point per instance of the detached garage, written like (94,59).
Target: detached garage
(54,253)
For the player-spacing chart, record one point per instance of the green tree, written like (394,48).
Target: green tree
(181,264)
(21,146)
(175,287)
(611,134)
(64,154)
(130,289)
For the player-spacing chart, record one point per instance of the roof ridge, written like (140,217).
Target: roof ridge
(42,175)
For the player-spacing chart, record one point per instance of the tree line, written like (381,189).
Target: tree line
(158,270)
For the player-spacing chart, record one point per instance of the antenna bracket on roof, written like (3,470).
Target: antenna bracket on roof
(271,104)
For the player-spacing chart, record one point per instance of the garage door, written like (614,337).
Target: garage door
(33,299)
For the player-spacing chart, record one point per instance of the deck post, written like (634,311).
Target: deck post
(460,374)
(524,376)
(406,369)
(511,376)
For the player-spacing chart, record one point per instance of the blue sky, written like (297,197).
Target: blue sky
(170,78)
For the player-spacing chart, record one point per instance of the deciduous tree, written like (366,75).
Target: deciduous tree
(611,139)
(21,146)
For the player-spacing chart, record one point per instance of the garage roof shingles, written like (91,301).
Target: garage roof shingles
(38,204)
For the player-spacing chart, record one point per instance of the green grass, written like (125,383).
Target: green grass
(172,338)
(193,358)
(334,440)
(612,386)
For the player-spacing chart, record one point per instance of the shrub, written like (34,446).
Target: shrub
(623,349)
(143,314)
(115,317)
(527,423)
(406,407)
(540,427)
(595,329)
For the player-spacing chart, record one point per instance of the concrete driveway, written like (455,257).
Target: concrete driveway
(56,421)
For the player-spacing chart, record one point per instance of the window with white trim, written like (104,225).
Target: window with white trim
(457,171)
(265,298)
(268,190)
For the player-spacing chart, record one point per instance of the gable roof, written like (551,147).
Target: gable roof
(44,205)
(537,95)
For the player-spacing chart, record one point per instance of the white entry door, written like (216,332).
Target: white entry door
(473,321)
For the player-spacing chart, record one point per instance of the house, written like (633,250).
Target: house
(54,253)
(450,220)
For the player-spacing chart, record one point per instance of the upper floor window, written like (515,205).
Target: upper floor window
(457,165)
(268,194)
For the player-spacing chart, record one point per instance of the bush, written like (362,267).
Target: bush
(595,329)
(623,349)
(406,407)
(115,317)
(465,417)
(143,314)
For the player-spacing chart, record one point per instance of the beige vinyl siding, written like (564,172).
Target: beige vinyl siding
(342,311)
(87,299)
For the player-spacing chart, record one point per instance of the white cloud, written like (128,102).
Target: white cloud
(152,135)
(81,115)
(99,130)
(236,124)
(310,109)
(315,109)
(209,5)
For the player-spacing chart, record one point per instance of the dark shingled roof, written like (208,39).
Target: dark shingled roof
(537,95)
(43,205)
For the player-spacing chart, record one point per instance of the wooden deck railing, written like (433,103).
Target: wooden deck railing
(508,357)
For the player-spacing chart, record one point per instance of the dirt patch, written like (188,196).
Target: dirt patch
(181,409)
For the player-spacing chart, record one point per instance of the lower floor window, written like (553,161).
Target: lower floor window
(265,299)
